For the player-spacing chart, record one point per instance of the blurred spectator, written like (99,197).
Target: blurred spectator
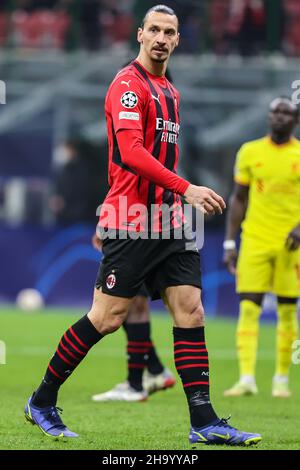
(292,30)
(72,199)
(116,21)
(89,17)
(192,24)
(247,26)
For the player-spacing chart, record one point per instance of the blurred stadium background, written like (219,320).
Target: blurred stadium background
(57,58)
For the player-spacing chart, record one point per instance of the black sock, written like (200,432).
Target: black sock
(138,346)
(191,361)
(73,347)
(153,363)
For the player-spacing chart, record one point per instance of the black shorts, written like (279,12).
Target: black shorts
(143,291)
(129,265)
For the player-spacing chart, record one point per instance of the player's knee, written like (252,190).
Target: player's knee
(287,317)
(139,310)
(107,322)
(112,324)
(198,314)
(195,313)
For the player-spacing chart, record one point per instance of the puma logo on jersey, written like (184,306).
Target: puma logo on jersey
(125,83)
(156,98)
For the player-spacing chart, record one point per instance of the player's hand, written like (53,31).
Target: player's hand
(230,259)
(293,239)
(204,199)
(97,243)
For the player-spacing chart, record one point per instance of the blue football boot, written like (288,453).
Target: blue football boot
(48,420)
(220,432)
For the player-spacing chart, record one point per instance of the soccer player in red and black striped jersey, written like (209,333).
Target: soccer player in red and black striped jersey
(145,371)
(142,112)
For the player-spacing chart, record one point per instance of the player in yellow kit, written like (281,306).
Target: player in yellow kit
(266,204)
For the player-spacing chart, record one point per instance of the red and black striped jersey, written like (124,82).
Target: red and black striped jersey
(142,108)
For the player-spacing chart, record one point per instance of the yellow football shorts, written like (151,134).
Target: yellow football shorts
(262,268)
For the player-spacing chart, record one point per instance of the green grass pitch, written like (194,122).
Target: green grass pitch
(161,422)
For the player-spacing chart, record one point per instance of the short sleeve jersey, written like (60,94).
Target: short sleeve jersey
(272,173)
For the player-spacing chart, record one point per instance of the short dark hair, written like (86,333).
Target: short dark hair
(159,9)
(286,99)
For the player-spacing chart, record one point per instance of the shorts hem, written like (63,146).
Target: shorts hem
(286,294)
(252,291)
(175,284)
(116,294)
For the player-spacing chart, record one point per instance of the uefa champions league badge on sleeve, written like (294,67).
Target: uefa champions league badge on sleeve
(129,99)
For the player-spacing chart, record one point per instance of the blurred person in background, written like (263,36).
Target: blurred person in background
(266,203)
(72,200)
(247,26)
(89,17)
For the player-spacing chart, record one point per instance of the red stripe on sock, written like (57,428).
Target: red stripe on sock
(73,345)
(136,366)
(189,366)
(189,350)
(189,342)
(64,358)
(55,373)
(140,343)
(67,350)
(135,350)
(78,339)
(195,383)
(185,358)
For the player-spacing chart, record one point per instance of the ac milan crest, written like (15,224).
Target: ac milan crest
(111,281)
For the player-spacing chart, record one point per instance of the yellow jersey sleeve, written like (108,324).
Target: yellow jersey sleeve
(242,173)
